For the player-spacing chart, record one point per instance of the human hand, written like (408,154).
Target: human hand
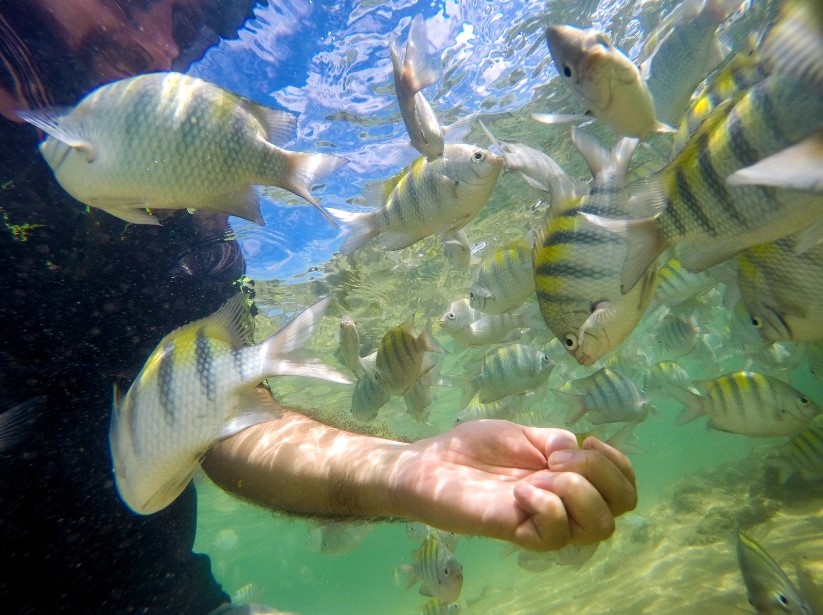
(531,486)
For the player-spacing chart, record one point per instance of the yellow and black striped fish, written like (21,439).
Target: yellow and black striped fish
(435,567)
(802,454)
(197,387)
(401,356)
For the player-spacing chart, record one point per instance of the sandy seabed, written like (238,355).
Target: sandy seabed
(680,556)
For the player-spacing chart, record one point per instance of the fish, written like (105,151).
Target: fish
(251,608)
(16,421)
(508,370)
(401,356)
(419,397)
(607,396)
(198,386)
(428,198)
(676,285)
(169,141)
(708,220)
(435,567)
(665,373)
(339,537)
(438,607)
(538,169)
(250,592)
(606,81)
(457,250)
(504,280)
(781,290)
(350,346)
(678,335)
(504,408)
(473,328)
(414,73)
(369,393)
(578,265)
(747,403)
(802,454)
(419,531)
(768,587)
(573,556)
(687,50)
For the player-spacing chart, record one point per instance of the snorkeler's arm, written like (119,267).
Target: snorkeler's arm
(489,478)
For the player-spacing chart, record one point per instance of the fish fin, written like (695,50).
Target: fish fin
(397,240)
(698,255)
(293,336)
(695,405)
(408,570)
(794,44)
(255,406)
(458,131)
(468,388)
(811,591)
(362,229)
(808,238)
(430,342)
(577,403)
(130,210)
(645,244)
(601,313)
(561,118)
(420,68)
(624,440)
(280,126)
(605,166)
(243,204)
(305,170)
(799,166)
(16,422)
(425,591)
(49,121)
(231,324)
(662,128)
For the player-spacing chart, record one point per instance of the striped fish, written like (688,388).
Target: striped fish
(369,394)
(470,327)
(768,587)
(414,73)
(199,386)
(676,285)
(428,198)
(438,607)
(401,356)
(508,370)
(607,396)
(699,212)
(578,265)
(747,403)
(802,454)
(782,291)
(435,567)
(678,335)
(504,281)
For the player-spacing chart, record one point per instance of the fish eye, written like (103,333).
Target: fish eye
(451,316)
(603,41)
(478,157)
(783,599)
(757,323)
(570,341)
(804,400)
(567,71)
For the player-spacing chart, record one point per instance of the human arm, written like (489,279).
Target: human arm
(488,478)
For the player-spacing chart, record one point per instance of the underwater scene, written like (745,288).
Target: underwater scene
(494,85)
(598,216)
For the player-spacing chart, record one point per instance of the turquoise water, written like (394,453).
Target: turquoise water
(338,78)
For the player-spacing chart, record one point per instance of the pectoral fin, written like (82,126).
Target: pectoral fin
(50,121)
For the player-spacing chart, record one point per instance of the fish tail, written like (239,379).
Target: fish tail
(695,406)
(468,387)
(362,228)
(578,406)
(420,70)
(292,337)
(304,170)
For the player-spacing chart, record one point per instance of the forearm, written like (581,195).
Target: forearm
(297,465)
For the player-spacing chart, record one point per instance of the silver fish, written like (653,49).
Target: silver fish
(197,387)
(167,141)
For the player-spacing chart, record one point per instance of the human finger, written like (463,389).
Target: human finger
(589,516)
(612,477)
(546,526)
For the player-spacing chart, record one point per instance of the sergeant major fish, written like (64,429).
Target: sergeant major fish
(167,141)
(607,396)
(401,356)
(198,387)
(578,265)
(435,567)
(770,590)
(604,79)
(747,403)
(428,198)
(411,75)
(504,280)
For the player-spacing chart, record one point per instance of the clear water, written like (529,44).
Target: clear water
(329,62)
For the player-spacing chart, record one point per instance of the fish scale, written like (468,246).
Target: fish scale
(197,387)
